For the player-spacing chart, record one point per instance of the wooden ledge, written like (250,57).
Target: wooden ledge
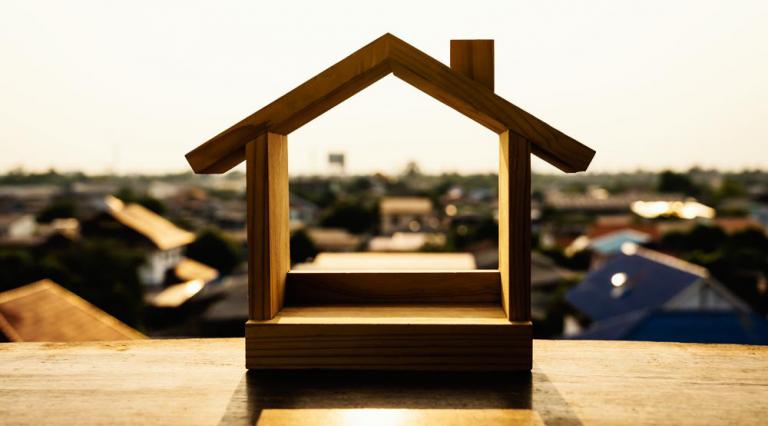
(203,382)
(448,337)
(482,314)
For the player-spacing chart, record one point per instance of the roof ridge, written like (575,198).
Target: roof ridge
(671,261)
(389,54)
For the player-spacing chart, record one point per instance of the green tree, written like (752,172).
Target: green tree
(213,248)
(56,210)
(352,217)
(153,204)
(302,247)
(670,181)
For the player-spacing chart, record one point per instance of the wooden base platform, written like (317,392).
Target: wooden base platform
(447,337)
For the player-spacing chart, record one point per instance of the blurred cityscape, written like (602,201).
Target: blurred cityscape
(634,256)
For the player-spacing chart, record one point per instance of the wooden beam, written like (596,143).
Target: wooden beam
(377,287)
(515,225)
(268,229)
(364,67)
(486,108)
(474,59)
(296,108)
(398,337)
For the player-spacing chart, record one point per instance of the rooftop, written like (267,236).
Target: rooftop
(159,230)
(46,312)
(405,205)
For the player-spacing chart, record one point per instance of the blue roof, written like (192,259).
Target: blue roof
(650,281)
(611,243)
(682,326)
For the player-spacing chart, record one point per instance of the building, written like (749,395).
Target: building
(188,279)
(46,312)
(661,325)
(607,245)
(140,227)
(334,239)
(406,214)
(639,285)
(302,212)
(405,242)
(17,226)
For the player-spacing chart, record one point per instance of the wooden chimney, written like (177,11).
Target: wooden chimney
(474,59)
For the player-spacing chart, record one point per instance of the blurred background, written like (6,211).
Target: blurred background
(106,234)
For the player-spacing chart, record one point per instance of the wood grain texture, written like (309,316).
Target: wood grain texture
(364,67)
(203,382)
(474,59)
(314,288)
(515,225)
(268,229)
(398,337)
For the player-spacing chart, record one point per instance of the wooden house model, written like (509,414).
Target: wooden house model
(436,320)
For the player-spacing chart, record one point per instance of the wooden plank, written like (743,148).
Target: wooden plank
(482,105)
(313,288)
(202,382)
(268,229)
(515,225)
(474,59)
(296,108)
(396,337)
(364,67)
(424,313)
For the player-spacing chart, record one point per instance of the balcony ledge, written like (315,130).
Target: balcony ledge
(196,381)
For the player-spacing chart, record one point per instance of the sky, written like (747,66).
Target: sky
(131,86)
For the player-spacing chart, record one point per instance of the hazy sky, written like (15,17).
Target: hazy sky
(131,86)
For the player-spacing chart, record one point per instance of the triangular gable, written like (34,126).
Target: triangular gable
(389,54)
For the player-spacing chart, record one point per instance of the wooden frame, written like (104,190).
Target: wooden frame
(436,320)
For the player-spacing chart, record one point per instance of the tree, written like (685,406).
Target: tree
(352,217)
(302,247)
(153,204)
(56,210)
(216,250)
(670,181)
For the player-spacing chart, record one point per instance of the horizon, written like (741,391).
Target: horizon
(103,96)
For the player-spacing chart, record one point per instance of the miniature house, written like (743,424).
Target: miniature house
(441,320)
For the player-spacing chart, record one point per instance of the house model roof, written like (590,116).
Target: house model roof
(46,312)
(388,54)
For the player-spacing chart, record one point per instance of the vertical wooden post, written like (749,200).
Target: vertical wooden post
(474,59)
(268,227)
(515,225)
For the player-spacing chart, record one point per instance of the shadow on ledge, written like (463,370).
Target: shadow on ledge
(260,390)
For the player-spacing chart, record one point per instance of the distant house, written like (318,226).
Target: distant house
(140,227)
(546,279)
(26,198)
(17,226)
(732,225)
(334,239)
(608,224)
(637,282)
(46,312)
(661,325)
(189,277)
(302,212)
(405,242)
(607,245)
(601,202)
(405,214)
